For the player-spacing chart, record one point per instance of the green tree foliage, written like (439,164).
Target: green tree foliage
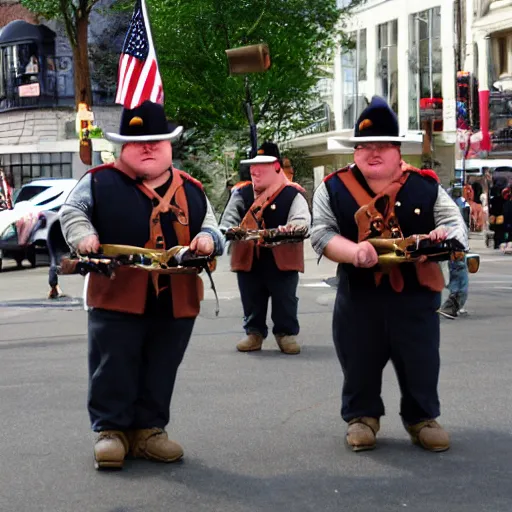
(191,38)
(75,16)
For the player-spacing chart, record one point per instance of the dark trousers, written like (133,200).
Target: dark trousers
(262,283)
(57,248)
(369,329)
(499,234)
(133,361)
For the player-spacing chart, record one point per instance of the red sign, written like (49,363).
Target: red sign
(29,90)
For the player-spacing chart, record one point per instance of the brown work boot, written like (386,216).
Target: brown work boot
(251,343)
(287,344)
(429,435)
(154,444)
(361,433)
(110,449)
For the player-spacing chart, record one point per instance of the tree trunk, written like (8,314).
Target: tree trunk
(82,73)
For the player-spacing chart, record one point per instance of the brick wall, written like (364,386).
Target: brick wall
(11,11)
(50,125)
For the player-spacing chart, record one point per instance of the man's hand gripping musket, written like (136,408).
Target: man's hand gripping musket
(176,260)
(418,248)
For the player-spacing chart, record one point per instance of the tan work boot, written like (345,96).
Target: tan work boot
(154,444)
(287,344)
(110,449)
(429,435)
(361,433)
(251,343)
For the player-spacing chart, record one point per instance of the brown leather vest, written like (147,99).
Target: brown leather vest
(288,257)
(127,292)
(429,273)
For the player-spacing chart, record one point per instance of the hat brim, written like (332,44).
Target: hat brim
(121,139)
(353,141)
(260,159)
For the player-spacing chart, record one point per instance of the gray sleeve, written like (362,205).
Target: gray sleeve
(299,214)
(325,225)
(211,227)
(76,213)
(232,216)
(447,214)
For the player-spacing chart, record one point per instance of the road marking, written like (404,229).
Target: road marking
(315,285)
(503,281)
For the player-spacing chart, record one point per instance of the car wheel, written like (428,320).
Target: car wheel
(1,262)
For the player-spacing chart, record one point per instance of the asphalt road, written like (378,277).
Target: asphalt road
(261,432)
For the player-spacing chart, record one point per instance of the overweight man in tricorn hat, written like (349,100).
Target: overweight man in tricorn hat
(139,327)
(379,317)
(269,201)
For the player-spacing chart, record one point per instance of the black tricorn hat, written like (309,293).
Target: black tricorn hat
(377,123)
(144,123)
(267,153)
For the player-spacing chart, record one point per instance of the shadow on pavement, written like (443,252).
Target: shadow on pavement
(472,476)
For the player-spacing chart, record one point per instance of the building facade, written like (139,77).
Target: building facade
(38,135)
(410,53)
(488,63)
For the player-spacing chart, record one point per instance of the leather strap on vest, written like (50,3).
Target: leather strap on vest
(253,219)
(371,220)
(180,210)
(356,190)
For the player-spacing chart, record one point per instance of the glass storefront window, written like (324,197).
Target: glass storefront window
(353,70)
(387,62)
(20,65)
(361,54)
(348,70)
(425,69)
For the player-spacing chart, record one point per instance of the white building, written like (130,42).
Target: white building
(405,52)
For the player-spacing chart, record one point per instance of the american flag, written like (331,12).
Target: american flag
(138,76)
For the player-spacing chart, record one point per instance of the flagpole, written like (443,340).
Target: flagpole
(150,39)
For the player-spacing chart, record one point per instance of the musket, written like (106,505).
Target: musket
(267,237)
(394,251)
(176,260)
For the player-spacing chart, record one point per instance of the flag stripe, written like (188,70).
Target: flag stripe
(132,84)
(149,83)
(157,89)
(123,63)
(142,81)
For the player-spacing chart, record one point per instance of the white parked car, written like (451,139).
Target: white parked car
(23,229)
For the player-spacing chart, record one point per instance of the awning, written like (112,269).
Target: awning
(19,31)
(495,21)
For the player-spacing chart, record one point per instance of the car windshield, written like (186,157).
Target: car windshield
(27,193)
